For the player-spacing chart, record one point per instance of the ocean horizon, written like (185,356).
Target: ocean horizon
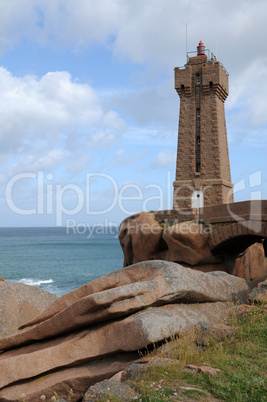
(58,259)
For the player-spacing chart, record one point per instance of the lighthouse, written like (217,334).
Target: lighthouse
(203,175)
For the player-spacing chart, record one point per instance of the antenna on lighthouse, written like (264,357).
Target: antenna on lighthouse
(186,40)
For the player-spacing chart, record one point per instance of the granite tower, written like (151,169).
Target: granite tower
(203,175)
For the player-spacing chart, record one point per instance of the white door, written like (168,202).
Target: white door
(197,199)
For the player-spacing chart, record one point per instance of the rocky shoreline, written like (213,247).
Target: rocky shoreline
(89,335)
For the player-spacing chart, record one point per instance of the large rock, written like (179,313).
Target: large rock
(79,379)
(106,389)
(123,292)
(143,237)
(59,361)
(122,312)
(259,294)
(19,304)
(189,243)
(250,264)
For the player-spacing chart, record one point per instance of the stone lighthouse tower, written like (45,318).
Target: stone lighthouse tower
(203,175)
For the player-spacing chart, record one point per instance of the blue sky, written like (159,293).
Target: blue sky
(89,114)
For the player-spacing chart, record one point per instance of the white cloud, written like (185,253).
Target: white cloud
(74,23)
(58,124)
(15,21)
(150,136)
(102,139)
(119,152)
(252,87)
(32,108)
(113,120)
(247,121)
(164,158)
(148,106)
(123,159)
(51,159)
(148,32)
(49,123)
(79,163)
(141,30)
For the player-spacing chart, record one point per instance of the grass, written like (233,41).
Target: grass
(54,398)
(241,358)
(195,394)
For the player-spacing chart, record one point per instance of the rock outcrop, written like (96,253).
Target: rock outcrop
(143,237)
(121,387)
(19,304)
(259,294)
(107,388)
(95,331)
(250,264)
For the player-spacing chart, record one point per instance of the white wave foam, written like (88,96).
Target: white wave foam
(35,282)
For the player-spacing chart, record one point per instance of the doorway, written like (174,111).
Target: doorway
(197,199)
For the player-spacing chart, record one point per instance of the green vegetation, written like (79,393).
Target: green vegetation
(110,398)
(195,394)
(54,398)
(165,223)
(241,358)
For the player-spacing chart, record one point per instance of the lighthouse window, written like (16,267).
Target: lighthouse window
(198,140)
(198,167)
(198,78)
(198,112)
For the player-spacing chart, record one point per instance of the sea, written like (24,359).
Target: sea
(58,259)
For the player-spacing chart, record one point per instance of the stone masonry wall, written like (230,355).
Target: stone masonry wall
(202,156)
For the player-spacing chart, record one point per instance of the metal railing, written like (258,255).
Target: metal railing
(206,51)
(210,56)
